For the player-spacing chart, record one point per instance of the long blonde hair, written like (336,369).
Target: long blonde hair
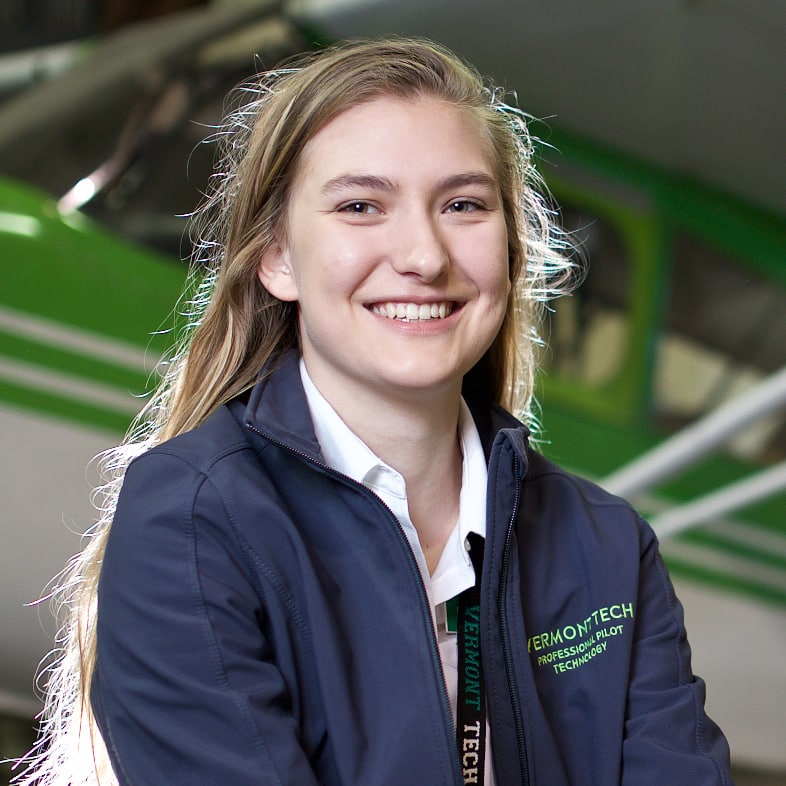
(234,327)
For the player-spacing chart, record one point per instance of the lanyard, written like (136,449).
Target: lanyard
(471,703)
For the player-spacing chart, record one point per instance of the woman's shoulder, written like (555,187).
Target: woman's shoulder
(181,481)
(572,501)
(544,470)
(221,435)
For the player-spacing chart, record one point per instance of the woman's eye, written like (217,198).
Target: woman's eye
(463,206)
(357,208)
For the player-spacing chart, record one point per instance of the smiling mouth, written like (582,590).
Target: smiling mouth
(414,312)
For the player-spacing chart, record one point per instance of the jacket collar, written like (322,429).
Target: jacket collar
(278,410)
(496,425)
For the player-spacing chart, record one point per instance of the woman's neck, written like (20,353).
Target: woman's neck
(419,438)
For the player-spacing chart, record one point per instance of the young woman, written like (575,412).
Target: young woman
(335,558)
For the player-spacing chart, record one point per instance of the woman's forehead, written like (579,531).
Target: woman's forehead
(389,134)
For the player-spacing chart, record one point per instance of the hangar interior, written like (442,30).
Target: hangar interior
(662,143)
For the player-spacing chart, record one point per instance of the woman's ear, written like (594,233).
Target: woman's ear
(275,274)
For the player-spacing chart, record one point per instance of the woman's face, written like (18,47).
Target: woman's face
(395,250)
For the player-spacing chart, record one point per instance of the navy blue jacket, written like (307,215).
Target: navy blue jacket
(262,620)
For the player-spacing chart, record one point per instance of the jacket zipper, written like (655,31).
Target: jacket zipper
(518,719)
(423,595)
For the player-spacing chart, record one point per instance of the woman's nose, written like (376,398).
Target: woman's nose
(421,248)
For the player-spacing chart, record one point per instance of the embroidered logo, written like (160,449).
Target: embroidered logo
(571,646)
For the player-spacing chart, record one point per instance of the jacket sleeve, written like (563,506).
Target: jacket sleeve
(668,737)
(185,690)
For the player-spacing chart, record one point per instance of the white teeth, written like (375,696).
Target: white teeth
(413,312)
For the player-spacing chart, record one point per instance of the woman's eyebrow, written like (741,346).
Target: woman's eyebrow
(379,183)
(343,182)
(481,179)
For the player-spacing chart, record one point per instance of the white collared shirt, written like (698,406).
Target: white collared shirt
(345,452)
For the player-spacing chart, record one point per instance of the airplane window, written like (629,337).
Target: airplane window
(725,330)
(587,333)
